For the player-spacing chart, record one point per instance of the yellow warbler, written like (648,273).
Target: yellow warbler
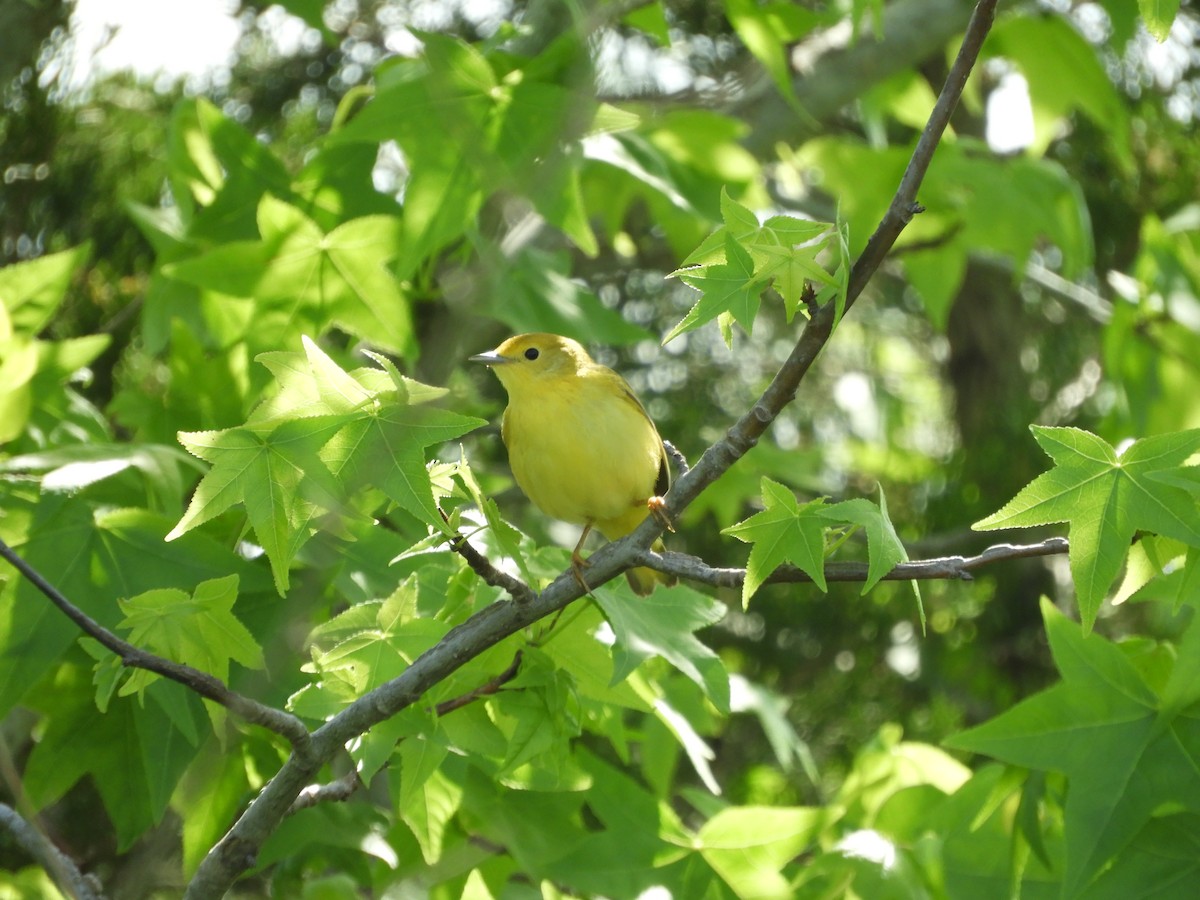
(581,446)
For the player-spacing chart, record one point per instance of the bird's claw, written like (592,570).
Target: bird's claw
(658,509)
(578,564)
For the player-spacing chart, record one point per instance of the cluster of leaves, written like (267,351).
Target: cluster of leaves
(300,548)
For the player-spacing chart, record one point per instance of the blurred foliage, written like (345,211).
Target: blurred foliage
(421,179)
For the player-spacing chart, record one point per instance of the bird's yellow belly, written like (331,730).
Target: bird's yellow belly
(582,469)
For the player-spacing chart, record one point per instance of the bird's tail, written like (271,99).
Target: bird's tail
(641,579)
(644,580)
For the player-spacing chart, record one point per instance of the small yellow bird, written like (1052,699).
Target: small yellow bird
(581,446)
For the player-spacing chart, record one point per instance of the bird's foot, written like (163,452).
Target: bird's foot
(578,564)
(658,509)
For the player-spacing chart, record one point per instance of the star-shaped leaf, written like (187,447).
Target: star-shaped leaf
(1106,497)
(325,437)
(662,625)
(199,630)
(1126,753)
(726,288)
(734,264)
(884,549)
(783,532)
(304,278)
(271,475)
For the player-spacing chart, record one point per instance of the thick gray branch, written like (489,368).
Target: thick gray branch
(834,73)
(57,864)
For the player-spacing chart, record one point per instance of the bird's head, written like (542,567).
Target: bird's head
(527,359)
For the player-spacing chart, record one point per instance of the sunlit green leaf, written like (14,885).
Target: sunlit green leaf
(1104,727)
(785,531)
(1106,497)
(663,625)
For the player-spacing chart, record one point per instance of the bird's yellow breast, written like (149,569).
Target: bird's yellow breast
(582,449)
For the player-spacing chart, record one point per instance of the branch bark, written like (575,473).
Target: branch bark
(57,864)
(959,568)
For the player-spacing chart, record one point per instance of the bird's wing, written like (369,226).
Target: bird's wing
(663,482)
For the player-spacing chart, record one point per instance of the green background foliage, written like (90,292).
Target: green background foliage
(238,429)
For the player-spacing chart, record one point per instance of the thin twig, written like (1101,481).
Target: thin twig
(904,204)
(60,867)
(487,689)
(482,566)
(204,684)
(961,568)
(744,433)
(337,791)
(677,457)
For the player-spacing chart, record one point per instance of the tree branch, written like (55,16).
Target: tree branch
(337,791)
(489,687)
(745,433)
(482,566)
(204,684)
(342,789)
(833,73)
(57,864)
(959,568)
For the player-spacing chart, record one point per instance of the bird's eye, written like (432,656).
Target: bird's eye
(531,353)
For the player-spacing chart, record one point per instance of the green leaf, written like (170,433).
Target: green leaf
(302,278)
(77,466)
(537,293)
(325,437)
(625,857)
(135,754)
(662,625)
(767,30)
(32,290)
(1065,74)
(255,471)
(727,288)
(210,795)
(1162,862)
(771,708)
(1159,15)
(749,846)
(1106,498)
(574,648)
(973,200)
(782,251)
(783,532)
(427,799)
(650,18)
(199,630)
(30,369)
(218,165)
(884,549)
(94,558)
(1125,753)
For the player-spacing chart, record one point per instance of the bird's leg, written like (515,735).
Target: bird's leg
(658,509)
(578,563)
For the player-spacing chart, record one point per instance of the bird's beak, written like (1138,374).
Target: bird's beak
(491,358)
